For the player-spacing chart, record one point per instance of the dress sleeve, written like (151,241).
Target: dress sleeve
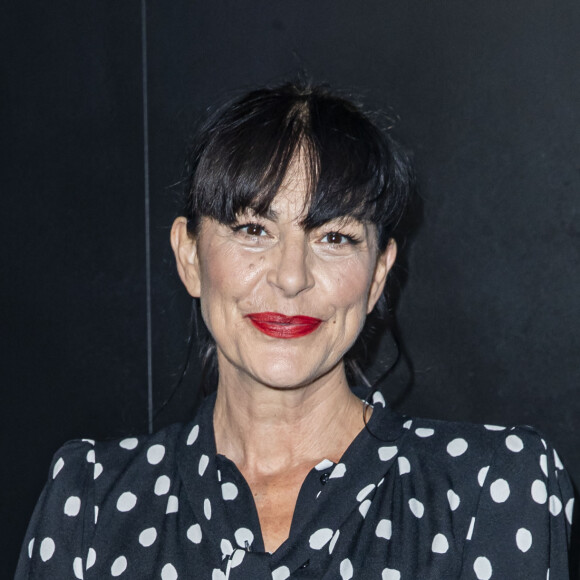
(56,542)
(521,529)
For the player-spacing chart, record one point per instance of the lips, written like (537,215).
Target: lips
(280,326)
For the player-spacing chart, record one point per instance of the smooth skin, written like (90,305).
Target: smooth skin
(283,405)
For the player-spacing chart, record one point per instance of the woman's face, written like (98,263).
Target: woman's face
(252,275)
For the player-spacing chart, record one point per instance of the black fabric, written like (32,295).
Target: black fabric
(409,499)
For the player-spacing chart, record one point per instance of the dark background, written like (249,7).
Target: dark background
(487,95)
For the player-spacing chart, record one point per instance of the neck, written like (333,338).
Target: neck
(265,430)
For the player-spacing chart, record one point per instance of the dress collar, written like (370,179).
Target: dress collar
(329,494)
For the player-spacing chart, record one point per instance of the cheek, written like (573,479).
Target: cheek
(226,277)
(350,284)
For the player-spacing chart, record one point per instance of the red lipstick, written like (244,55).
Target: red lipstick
(281,326)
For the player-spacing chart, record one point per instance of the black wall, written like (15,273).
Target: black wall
(487,95)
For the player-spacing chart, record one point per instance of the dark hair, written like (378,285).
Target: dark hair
(244,150)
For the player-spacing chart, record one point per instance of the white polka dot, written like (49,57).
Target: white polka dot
(147,537)
(365,491)
(155,454)
(499,490)
(90,441)
(78,568)
(363,508)
(91,456)
(324,464)
(404,465)
(207,508)
(548,574)
(470,531)
(194,533)
(544,443)
(544,464)
(96,513)
(47,549)
(557,460)
(172,504)
(169,572)
(217,574)
(453,500)
(388,452)
(555,505)
(457,447)
(384,529)
(440,545)
(229,491)
(482,475)
(494,427)
(91,558)
(126,501)
(57,467)
(226,547)
(346,570)
(97,470)
(407,424)
(482,568)
(378,399)
(119,566)
(524,539)
(30,547)
(162,485)
(320,538)
(338,471)
(390,574)
(333,541)
(244,537)
(424,432)
(416,507)
(192,437)
(72,506)
(281,573)
(514,443)
(539,492)
(569,509)
(129,443)
(203,463)
(237,557)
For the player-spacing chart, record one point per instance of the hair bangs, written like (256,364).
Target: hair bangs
(245,158)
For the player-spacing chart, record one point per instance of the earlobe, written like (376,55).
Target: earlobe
(383,266)
(186,257)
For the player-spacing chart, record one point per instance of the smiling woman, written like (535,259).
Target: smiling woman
(286,238)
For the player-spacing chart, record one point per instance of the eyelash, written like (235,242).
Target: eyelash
(350,239)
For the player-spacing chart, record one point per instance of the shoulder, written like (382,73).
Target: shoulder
(81,455)
(135,458)
(479,456)
(455,439)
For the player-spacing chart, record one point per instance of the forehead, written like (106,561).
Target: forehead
(293,197)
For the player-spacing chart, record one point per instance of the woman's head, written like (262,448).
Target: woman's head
(292,162)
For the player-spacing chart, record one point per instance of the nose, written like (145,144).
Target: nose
(291,269)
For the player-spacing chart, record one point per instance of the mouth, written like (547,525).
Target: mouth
(280,326)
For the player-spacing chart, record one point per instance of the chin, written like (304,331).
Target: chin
(283,375)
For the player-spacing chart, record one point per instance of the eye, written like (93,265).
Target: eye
(338,239)
(252,230)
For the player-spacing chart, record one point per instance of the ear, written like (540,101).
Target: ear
(384,264)
(186,257)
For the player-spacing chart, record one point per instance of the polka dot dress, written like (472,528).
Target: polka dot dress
(422,499)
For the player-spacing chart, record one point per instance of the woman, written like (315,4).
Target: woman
(287,239)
